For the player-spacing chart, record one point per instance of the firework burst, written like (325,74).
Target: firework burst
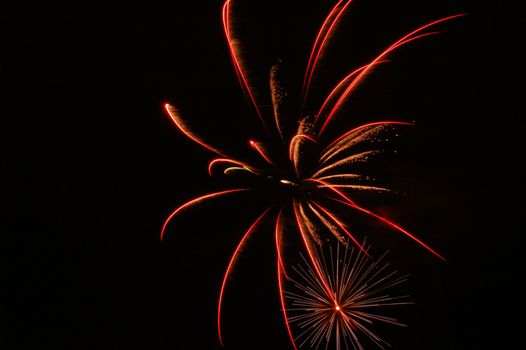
(314,173)
(339,318)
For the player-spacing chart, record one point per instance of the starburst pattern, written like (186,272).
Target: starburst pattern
(341,315)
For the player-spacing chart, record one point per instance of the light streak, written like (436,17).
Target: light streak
(229,268)
(403,40)
(174,115)
(194,202)
(237,65)
(260,151)
(393,225)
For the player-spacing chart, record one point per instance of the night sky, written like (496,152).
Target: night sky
(91,166)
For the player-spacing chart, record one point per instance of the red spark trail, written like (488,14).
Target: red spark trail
(196,201)
(341,226)
(309,251)
(226,160)
(339,86)
(405,39)
(315,46)
(174,115)
(386,122)
(260,151)
(230,265)
(276,95)
(331,187)
(283,306)
(239,71)
(393,225)
(278,234)
(293,141)
(314,61)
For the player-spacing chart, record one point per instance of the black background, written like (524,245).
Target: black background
(91,166)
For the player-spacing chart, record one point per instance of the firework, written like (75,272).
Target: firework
(315,185)
(341,309)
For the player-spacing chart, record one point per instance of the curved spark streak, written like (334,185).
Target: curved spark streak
(359,137)
(227,160)
(405,39)
(278,234)
(260,151)
(358,187)
(332,228)
(311,227)
(315,46)
(331,187)
(352,158)
(324,42)
(229,268)
(341,226)
(294,153)
(234,169)
(277,98)
(393,225)
(342,176)
(283,306)
(237,65)
(174,115)
(295,139)
(309,249)
(226,28)
(327,149)
(339,86)
(196,201)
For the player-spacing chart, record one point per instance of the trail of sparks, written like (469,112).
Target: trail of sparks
(342,177)
(294,154)
(405,39)
(258,149)
(332,228)
(231,161)
(339,86)
(362,156)
(237,65)
(328,151)
(311,227)
(308,247)
(174,115)
(194,202)
(359,187)
(332,24)
(331,187)
(295,139)
(283,306)
(277,96)
(341,226)
(393,225)
(229,268)
(326,22)
(278,233)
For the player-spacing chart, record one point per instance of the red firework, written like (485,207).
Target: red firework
(328,178)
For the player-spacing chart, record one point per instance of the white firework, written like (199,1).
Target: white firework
(342,310)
